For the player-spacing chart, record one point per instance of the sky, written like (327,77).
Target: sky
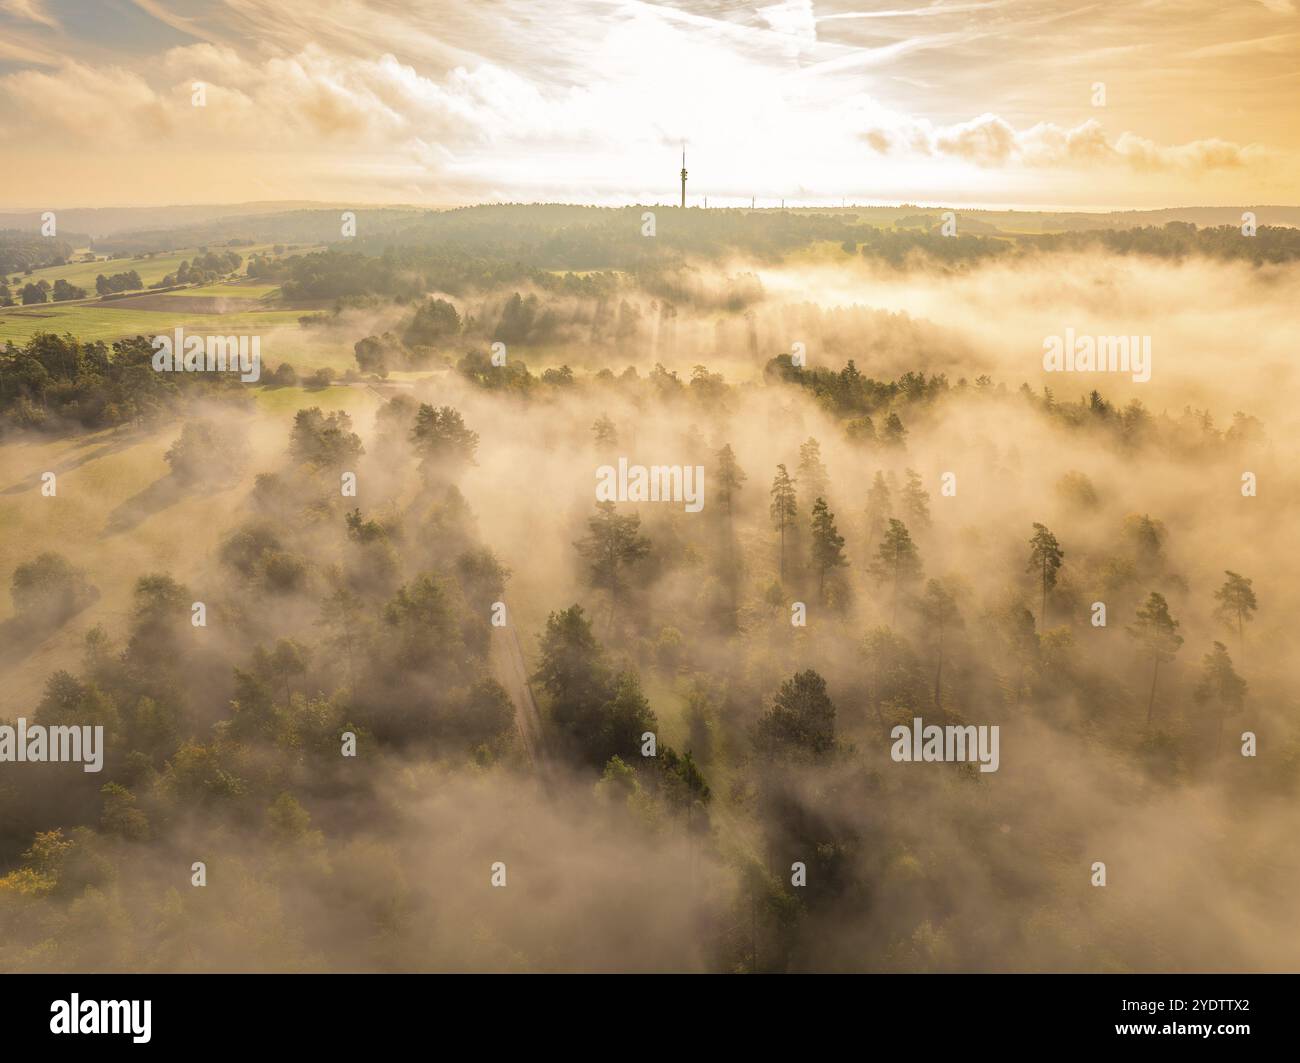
(1013,103)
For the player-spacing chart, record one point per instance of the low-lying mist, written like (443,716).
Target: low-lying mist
(386,861)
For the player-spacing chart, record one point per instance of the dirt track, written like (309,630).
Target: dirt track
(512,673)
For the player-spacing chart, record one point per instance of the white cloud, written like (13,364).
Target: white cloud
(574,107)
(30,11)
(990,141)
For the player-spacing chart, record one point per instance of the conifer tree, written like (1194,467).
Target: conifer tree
(812,473)
(730,477)
(1236,606)
(897,561)
(1045,557)
(940,611)
(1221,688)
(827,545)
(879,507)
(916,500)
(1157,633)
(613,544)
(784,508)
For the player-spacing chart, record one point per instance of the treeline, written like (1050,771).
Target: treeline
(554,237)
(517,320)
(483,247)
(406,274)
(580,251)
(295,227)
(409,253)
(118,282)
(869,408)
(58,382)
(1177,240)
(22,252)
(207,267)
(41,291)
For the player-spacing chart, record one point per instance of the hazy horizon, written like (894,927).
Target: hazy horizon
(665,201)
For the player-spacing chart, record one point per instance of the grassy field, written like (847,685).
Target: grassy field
(97,475)
(96,321)
(283,339)
(355,400)
(234,289)
(306,349)
(151,270)
(83,274)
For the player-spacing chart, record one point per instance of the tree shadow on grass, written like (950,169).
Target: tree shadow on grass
(20,635)
(162,494)
(101,450)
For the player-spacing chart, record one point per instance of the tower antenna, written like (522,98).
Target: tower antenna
(683,175)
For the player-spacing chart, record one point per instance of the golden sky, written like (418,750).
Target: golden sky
(970,102)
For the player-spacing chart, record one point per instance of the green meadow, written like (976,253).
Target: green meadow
(151,269)
(97,321)
(355,400)
(232,289)
(83,274)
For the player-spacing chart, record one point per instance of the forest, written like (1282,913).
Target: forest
(387,684)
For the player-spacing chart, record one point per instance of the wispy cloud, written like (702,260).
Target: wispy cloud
(581,99)
(29,11)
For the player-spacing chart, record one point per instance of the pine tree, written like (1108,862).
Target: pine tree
(604,431)
(893,434)
(827,545)
(916,500)
(879,507)
(1017,624)
(897,560)
(572,667)
(442,438)
(289,658)
(812,473)
(1045,557)
(730,477)
(939,609)
(342,613)
(1220,686)
(1147,537)
(1157,633)
(802,717)
(613,544)
(784,508)
(1236,606)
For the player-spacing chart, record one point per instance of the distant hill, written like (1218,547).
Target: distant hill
(105,221)
(553,236)
(302,221)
